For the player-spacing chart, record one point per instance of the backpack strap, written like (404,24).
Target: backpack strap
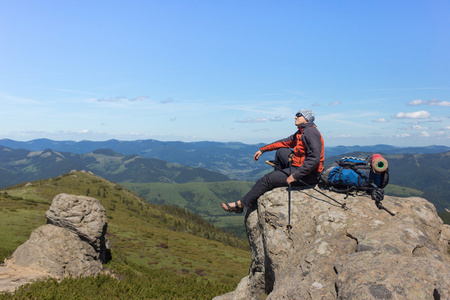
(347,190)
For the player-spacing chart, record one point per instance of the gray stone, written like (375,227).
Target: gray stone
(331,253)
(73,243)
(84,216)
(58,252)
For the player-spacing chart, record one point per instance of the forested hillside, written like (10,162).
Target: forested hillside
(202,198)
(18,165)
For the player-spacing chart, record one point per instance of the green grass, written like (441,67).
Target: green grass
(132,281)
(445,216)
(202,198)
(401,191)
(150,239)
(18,218)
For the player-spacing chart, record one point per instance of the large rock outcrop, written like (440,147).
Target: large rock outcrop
(84,216)
(72,243)
(332,253)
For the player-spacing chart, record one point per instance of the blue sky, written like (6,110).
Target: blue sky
(372,71)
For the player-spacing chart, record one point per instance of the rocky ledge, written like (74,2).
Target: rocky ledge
(332,253)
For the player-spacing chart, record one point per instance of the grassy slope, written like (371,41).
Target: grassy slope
(401,191)
(203,198)
(141,234)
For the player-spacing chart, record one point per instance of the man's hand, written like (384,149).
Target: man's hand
(290,179)
(257,155)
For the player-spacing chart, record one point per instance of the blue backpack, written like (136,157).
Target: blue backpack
(353,174)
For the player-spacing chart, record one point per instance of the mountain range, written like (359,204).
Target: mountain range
(232,159)
(19,165)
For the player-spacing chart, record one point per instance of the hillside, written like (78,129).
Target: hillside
(146,238)
(202,198)
(18,165)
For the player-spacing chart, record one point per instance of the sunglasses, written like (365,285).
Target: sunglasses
(298,115)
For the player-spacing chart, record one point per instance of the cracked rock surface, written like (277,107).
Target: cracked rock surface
(332,253)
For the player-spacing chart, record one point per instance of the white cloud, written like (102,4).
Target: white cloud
(413,115)
(277,119)
(447,128)
(425,134)
(435,102)
(418,127)
(404,135)
(439,102)
(122,99)
(380,120)
(344,136)
(416,102)
(252,120)
(141,98)
(335,103)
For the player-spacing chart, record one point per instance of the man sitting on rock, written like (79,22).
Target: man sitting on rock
(307,162)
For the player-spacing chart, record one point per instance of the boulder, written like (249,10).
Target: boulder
(84,216)
(332,253)
(58,252)
(72,243)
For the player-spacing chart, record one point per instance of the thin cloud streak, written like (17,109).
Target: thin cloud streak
(435,102)
(17,99)
(122,99)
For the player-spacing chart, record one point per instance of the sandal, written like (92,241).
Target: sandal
(235,209)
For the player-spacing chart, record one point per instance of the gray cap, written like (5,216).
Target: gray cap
(307,114)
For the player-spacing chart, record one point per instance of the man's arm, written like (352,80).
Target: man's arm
(288,142)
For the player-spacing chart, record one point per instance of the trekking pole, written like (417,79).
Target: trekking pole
(289,227)
(381,206)
(378,195)
(343,205)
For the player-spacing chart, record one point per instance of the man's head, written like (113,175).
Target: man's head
(307,114)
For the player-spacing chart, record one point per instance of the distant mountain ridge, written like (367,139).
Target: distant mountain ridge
(233,159)
(19,165)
